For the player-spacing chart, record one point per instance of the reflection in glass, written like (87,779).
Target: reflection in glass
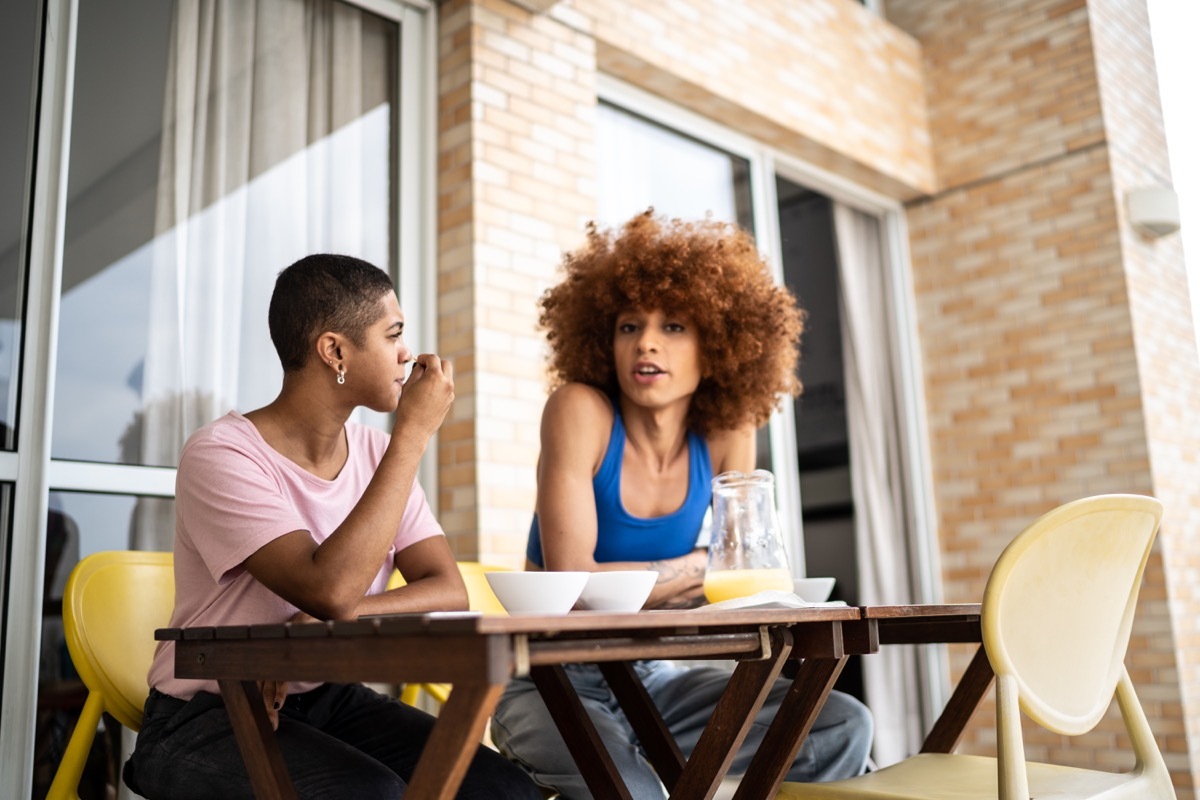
(18,40)
(246,135)
(77,525)
(643,164)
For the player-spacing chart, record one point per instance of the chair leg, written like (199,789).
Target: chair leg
(70,769)
(1012,779)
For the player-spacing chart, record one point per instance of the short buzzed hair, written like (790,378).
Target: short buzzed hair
(319,293)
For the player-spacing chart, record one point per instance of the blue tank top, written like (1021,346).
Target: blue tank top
(624,537)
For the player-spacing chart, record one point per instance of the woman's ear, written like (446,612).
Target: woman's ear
(329,348)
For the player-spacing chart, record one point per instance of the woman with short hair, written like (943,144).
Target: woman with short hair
(291,512)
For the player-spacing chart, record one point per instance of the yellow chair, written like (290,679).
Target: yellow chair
(1056,616)
(112,604)
(480,597)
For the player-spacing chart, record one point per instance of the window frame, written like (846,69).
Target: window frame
(31,470)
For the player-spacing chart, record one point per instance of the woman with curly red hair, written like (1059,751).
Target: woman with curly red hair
(670,345)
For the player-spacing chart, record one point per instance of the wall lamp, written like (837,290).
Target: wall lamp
(1153,210)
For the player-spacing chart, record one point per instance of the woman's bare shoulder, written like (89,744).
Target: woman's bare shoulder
(579,399)
(732,449)
(578,414)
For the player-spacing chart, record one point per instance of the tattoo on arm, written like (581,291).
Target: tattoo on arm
(668,571)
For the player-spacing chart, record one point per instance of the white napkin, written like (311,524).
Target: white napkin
(771,598)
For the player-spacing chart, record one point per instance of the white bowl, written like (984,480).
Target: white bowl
(814,590)
(537,592)
(617,590)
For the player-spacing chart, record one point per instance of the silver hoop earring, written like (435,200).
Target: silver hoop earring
(341,377)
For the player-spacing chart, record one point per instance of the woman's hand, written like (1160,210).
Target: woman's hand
(426,396)
(301,618)
(273,695)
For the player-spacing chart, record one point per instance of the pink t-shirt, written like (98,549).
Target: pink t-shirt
(234,494)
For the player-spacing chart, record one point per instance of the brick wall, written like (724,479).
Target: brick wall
(516,185)
(1041,315)
(1167,359)
(1032,384)
(824,80)
(1009,83)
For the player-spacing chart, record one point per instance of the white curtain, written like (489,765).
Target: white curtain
(890,677)
(275,144)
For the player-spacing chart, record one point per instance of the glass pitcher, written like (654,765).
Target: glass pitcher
(745,555)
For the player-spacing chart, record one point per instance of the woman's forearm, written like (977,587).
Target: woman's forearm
(680,581)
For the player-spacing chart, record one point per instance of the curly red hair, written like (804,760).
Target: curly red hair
(710,272)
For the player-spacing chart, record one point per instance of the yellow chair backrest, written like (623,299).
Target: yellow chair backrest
(480,596)
(1057,613)
(112,604)
(1056,617)
(479,591)
(1064,593)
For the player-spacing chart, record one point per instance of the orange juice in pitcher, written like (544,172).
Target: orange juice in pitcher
(746,553)
(726,584)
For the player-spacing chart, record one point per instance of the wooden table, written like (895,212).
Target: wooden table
(478,654)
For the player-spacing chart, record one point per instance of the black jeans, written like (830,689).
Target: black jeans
(338,741)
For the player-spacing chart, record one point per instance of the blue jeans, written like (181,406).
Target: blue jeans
(837,747)
(338,741)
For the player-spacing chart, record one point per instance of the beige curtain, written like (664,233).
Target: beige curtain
(890,677)
(275,144)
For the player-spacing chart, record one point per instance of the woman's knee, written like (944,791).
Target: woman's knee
(519,716)
(852,719)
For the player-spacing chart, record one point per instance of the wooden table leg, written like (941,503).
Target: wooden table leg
(454,741)
(743,698)
(661,749)
(256,741)
(971,688)
(579,733)
(792,722)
